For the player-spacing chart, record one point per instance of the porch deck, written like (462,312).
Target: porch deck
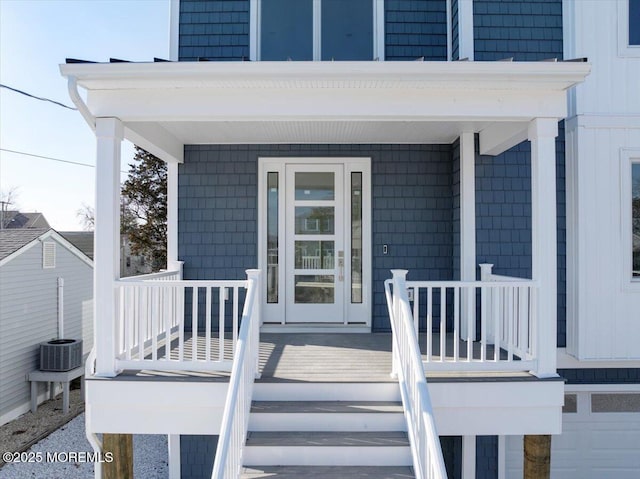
(327,357)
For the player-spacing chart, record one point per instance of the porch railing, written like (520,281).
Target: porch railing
(476,326)
(153,310)
(235,420)
(426,451)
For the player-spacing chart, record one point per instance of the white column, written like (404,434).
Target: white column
(106,260)
(465,29)
(542,134)
(172,217)
(173,442)
(468,228)
(468,457)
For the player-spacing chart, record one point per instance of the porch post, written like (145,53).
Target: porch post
(172,218)
(542,133)
(467,226)
(106,261)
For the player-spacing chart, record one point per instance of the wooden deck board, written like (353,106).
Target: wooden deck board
(322,357)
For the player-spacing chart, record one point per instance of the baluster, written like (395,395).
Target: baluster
(194,323)
(509,323)
(471,317)
(443,323)
(221,321)
(141,322)
(496,302)
(484,322)
(181,314)
(208,325)
(235,321)
(167,307)
(429,321)
(154,322)
(456,322)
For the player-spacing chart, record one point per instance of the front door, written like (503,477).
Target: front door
(315,240)
(314,253)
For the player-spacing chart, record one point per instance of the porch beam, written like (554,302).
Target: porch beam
(542,133)
(500,136)
(156,140)
(109,133)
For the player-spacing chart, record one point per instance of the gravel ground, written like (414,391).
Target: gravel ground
(49,431)
(149,453)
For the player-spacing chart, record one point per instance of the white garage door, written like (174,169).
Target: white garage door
(600,439)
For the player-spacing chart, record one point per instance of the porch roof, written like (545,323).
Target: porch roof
(166,105)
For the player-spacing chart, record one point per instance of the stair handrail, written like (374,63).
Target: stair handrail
(428,462)
(235,419)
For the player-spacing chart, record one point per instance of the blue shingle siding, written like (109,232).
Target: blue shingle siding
(601,376)
(452,454)
(214,30)
(197,453)
(486,457)
(411,198)
(527,30)
(415,28)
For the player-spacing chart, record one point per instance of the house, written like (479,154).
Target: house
(492,149)
(17,219)
(46,292)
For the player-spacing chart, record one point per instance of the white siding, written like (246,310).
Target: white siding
(28,315)
(603,310)
(613,85)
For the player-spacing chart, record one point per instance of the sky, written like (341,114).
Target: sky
(35,37)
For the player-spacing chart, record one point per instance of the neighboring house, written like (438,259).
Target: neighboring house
(331,157)
(18,219)
(45,283)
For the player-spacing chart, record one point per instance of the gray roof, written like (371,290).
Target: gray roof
(83,240)
(12,240)
(17,219)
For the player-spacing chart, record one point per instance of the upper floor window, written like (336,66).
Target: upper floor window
(634,22)
(635,219)
(315,29)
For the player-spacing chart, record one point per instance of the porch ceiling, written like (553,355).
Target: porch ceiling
(167,105)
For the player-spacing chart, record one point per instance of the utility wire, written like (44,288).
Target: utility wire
(47,158)
(52,159)
(37,97)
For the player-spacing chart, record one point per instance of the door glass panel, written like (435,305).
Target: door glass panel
(315,186)
(356,237)
(314,255)
(317,220)
(272,237)
(314,289)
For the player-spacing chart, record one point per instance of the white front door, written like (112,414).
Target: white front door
(315,240)
(314,252)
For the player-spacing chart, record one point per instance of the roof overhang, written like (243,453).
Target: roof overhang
(176,103)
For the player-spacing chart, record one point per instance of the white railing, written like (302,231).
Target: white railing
(235,420)
(489,325)
(153,311)
(426,451)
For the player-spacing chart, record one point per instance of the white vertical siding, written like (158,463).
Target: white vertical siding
(28,315)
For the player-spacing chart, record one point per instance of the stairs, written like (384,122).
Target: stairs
(330,430)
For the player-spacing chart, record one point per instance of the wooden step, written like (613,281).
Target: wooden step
(327,416)
(328,472)
(340,448)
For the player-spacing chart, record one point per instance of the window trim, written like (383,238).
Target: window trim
(255,8)
(624,49)
(628,158)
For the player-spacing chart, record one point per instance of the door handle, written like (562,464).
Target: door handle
(340,265)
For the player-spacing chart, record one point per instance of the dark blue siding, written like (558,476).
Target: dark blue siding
(601,376)
(197,453)
(214,30)
(415,28)
(527,30)
(412,210)
(452,454)
(486,457)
